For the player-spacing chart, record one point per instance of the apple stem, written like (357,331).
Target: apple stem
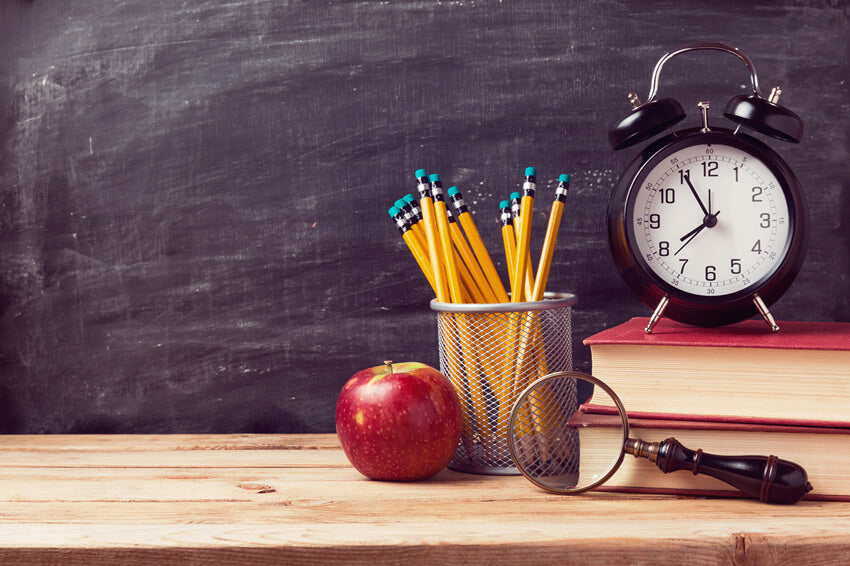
(389,364)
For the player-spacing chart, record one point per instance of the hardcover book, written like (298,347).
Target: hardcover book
(742,372)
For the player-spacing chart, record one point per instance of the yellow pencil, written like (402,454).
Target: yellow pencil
(413,244)
(551,237)
(516,206)
(468,269)
(413,215)
(477,244)
(524,233)
(433,236)
(508,238)
(445,238)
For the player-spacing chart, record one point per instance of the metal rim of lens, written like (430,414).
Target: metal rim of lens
(597,383)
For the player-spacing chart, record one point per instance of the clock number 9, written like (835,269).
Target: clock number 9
(655,221)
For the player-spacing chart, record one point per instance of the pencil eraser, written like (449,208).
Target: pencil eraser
(515,195)
(453,191)
(399,204)
(433,177)
(530,172)
(504,204)
(564,178)
(408,198)
(394,211)
(420,173)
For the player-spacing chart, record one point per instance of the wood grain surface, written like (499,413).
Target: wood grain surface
(254,499)
(193,195)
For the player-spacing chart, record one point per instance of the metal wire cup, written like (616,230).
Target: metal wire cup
(491,352)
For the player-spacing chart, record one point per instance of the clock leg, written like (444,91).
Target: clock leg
(765,314)
(656,314)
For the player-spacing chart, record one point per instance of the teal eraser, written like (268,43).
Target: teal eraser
(420,173)
(530,172)
(515,195)
(399,204)
(408,198)
(394,211)
(453,191)
(433,177)
(564,178)
(504,204)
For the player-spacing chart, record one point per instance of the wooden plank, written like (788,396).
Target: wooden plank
(175,459)
(221,499)
(358,544)
(158,442)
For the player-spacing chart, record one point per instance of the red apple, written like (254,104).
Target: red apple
(398,421)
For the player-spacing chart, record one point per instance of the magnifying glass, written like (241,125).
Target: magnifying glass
(561,446)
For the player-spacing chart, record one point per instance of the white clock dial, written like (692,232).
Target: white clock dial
(711,220)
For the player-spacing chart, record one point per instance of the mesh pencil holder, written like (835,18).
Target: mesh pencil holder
(491,352)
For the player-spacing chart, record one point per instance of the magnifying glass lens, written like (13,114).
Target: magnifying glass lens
(559,440)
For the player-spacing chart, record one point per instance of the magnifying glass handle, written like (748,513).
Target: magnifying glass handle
(768,478)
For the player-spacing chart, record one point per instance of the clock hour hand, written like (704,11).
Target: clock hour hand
(696,196)
(690,236)
(710,221)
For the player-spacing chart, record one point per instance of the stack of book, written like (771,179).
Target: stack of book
(733,390)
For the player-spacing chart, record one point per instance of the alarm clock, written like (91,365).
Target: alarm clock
(708,225)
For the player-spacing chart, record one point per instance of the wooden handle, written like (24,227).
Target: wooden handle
(768,478)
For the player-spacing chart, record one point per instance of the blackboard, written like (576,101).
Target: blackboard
(193,195)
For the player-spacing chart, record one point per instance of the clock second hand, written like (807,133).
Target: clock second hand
(710,221)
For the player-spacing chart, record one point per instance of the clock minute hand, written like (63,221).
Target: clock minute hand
(696,196)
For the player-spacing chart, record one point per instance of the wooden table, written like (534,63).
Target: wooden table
(294,499)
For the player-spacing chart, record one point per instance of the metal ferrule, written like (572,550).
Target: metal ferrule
(459,204)
(401,223)
(417,212)
(506,219)
(516,206)
(437,191)
(529,186)
(424,187)
(561,191)
(640,449)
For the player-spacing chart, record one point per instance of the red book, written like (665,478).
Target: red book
(821,451)
(738,373)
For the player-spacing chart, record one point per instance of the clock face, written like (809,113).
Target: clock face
(709,220)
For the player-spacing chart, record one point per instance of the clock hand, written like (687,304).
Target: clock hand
(693,234)
(710,221)
(696,196)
